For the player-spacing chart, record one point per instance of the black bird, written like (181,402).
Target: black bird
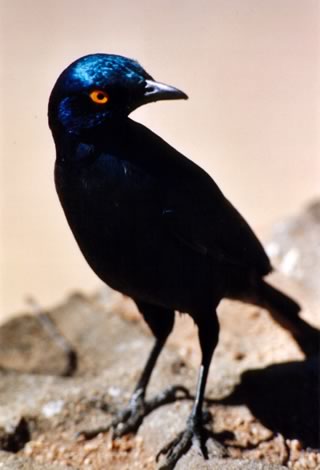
(152,224)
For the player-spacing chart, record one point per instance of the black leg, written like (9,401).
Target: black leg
(208,338)
(160,321)
(195,431)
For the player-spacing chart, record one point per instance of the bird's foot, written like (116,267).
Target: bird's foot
(130,418)
(194,434)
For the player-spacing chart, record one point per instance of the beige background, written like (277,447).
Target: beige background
(250,67)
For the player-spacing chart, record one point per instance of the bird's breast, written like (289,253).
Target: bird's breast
(112,211)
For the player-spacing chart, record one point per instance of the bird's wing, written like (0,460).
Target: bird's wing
(200,216)
(193,207)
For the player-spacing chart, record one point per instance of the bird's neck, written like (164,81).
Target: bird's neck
(79,146)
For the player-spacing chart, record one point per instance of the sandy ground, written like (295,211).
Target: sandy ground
(254,389)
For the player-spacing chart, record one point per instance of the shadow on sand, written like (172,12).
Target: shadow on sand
(285,398)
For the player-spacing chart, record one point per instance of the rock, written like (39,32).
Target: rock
(10,461)
(47,410)
(295,248)
(17,341)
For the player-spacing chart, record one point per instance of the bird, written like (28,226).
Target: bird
(154,225)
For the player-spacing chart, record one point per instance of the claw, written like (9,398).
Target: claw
(93,433)
(178,447)
(194,434)
(168,449)
(168,395)
(128,420)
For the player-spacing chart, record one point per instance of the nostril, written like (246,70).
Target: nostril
(160,91)
(149,89)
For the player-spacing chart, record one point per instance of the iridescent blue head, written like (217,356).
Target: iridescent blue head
(100,87)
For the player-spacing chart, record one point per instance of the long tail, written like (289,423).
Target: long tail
(286,311)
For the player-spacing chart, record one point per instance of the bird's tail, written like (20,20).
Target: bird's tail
(286,311)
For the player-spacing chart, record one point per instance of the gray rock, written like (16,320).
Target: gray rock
(10,461)
(112,350)
(295,248)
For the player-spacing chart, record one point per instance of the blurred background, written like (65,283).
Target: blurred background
(250,68)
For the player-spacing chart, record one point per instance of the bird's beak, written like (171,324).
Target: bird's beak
(156,91)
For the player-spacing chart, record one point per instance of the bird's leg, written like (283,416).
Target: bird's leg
(195,432)
(160,321)
(129,419)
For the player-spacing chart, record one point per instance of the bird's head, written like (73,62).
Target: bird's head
(100,87)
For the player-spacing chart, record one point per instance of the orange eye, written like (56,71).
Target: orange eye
(99,97)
